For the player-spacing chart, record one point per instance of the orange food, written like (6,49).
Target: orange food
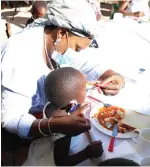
(109,116)
(90,83)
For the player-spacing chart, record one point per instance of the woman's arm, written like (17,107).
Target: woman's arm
(62,158)
(94,70)
(63,124)
(16,119)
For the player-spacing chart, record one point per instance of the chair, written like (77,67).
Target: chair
(106,9)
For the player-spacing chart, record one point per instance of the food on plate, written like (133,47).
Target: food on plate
(109,116)
(89,83)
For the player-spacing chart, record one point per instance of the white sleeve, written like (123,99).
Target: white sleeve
(92,67)
(15,117)
(17,91)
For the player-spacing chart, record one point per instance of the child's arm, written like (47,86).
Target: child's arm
(122,9)
(62,157)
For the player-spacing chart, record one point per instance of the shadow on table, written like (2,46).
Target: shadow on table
(10,14)
(18,21)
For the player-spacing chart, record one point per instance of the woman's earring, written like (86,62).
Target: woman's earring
(57,41)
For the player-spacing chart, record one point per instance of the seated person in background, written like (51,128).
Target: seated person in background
(118,162)
(134,8)
(62,87)
(96,7)
(38,10)
(115,6)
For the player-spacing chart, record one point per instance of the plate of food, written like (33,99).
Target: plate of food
(104,119)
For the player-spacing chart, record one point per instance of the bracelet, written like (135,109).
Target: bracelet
(49,122)
(40,128)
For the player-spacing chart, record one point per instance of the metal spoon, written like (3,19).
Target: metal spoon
(97,100)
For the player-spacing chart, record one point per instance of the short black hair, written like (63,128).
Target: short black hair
(63,85)
(118,162)
(37,5)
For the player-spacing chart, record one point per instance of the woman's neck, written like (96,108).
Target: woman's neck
(49,42)
(52,111)
(48,48)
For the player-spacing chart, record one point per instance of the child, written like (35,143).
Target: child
(118,162)
(62,87)
(38,10)
(135,8)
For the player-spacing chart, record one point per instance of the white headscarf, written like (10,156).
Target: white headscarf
(75,15)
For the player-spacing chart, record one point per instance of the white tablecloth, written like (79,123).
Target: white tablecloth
(125,47)
(97,135)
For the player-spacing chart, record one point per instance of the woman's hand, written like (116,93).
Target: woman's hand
(71,125)
(111,83)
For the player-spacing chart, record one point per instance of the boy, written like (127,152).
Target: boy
(38,10)
(118,162)
(62,87)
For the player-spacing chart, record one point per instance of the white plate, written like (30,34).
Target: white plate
(95,122)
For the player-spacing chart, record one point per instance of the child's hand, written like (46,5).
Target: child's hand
(94,150)
(139,14)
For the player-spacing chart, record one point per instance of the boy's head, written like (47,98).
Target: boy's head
(118,162)
(39,9)
(64,85)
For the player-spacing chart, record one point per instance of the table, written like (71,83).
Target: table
(125,47)
(97,135)
(124,43)
(124,51)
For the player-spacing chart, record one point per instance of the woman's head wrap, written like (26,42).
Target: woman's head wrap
(75,15)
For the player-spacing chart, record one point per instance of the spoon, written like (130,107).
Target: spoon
(99,101)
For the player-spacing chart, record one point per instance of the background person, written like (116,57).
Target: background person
(135,8)
(38,10)
(118,162)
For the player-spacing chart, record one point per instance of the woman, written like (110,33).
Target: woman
(43,46)
(135,8)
